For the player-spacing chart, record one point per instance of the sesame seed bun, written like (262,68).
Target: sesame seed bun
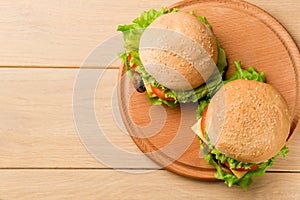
(179,51)
(248,121)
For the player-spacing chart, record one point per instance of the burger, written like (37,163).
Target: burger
(172,56)
(243,129)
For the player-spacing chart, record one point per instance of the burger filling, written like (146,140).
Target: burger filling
(157,93)
(228,169)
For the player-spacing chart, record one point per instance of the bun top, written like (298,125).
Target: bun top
(179,51)
(248,121)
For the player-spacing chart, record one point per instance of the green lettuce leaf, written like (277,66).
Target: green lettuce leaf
(159,101)
(214,156)
(249,74)
(210,87)
(204,90)
(132,34)
(204,20)
(246,180)
(202,105)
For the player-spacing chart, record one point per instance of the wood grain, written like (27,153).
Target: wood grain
(109,184)
(37,124)
(247,34)
(36,118)
(63,33)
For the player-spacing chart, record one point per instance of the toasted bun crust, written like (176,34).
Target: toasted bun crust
(179,51)
(248,121)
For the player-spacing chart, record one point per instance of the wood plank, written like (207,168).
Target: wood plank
(63,32)
(109,184)
(37,125)
(38,129)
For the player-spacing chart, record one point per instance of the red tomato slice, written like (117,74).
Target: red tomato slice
(202,123)
(129,58)
(161,93)
(133,66)
(252,168)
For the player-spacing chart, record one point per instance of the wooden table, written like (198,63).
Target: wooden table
(43,43)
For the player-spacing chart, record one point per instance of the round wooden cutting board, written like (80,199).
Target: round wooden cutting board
(246,33)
